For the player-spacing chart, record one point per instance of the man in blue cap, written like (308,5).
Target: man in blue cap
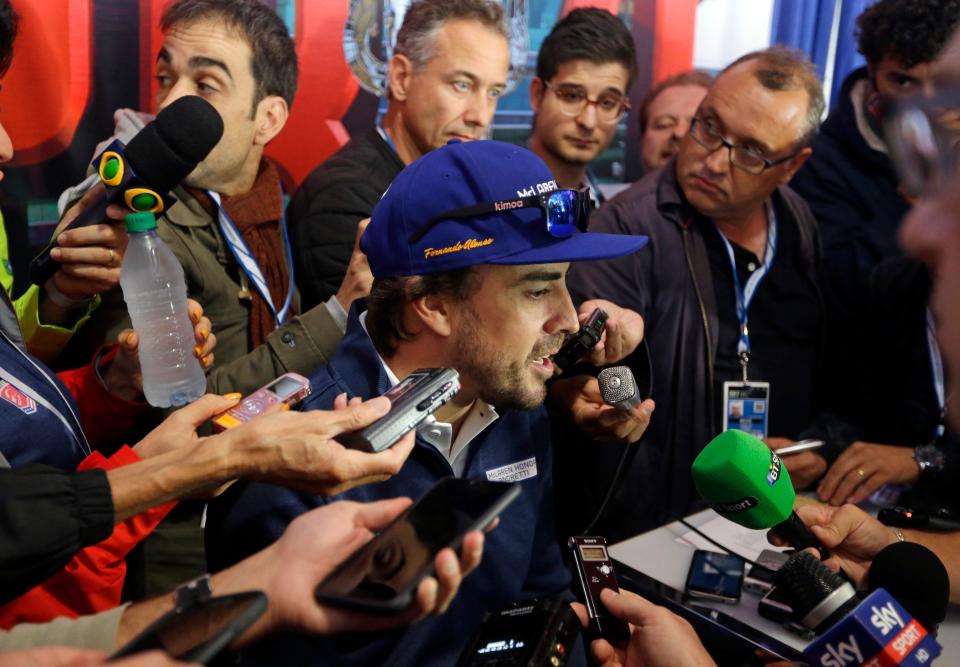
(469,248)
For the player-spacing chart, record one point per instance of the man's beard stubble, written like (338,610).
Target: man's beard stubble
(502,383)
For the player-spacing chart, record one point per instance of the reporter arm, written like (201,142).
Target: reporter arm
(47,516)
(47,328)
(302,345)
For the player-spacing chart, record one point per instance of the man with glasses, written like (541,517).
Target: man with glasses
(584,69)
(469,249)
(728,291)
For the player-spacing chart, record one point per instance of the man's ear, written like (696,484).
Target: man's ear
(272,114)
(433,313)
(399,74)
(536,93)
(793,166)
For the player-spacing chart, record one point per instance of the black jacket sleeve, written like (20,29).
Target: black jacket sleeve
(47,516)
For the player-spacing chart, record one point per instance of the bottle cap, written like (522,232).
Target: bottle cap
(140,222)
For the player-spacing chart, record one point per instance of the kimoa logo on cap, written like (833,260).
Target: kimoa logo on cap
(469,244)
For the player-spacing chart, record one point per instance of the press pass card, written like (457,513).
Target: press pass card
(746,407)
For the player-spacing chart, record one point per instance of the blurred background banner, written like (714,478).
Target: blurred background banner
(79,60)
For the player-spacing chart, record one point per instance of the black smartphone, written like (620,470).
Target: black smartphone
(715,576)
(200,632)
(382,575)
(415,398)
(580,343)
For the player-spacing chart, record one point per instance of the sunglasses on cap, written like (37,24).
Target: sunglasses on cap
(566,212)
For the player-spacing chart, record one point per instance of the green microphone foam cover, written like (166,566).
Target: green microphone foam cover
(742,479)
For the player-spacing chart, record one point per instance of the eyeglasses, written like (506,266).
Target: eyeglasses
(573,100)
(565,212)
(747,159)
(923,138)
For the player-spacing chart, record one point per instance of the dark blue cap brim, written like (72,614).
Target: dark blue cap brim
(577,248)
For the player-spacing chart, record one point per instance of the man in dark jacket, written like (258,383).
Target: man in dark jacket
(448,69)
(477,285)
(858,200)
(722,201)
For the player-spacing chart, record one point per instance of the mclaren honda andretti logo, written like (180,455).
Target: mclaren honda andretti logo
(741,505)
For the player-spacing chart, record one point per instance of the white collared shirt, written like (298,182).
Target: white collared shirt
(440,434)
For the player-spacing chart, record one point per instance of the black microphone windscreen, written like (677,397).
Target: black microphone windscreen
(916,577)
(170,147)
(818,596)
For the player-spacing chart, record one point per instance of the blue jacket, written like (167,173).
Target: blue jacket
(30,432)
(521,557)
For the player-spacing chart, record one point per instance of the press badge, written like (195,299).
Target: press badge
(746,407)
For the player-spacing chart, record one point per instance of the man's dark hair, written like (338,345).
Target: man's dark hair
(589,34)
(782,68)
(9,25)
(912,31)
(274,62)
(692,77)
(389,297)
(423,18)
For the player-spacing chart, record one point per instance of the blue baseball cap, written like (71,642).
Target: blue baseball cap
(412,231)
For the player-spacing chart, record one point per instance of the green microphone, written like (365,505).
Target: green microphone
(745,481)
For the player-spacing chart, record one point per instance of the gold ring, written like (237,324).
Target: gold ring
(113,258)
(861,473)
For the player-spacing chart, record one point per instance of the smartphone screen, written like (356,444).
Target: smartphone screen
(383,574)
(715,576)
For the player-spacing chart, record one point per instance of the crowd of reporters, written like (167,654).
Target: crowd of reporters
(839,329)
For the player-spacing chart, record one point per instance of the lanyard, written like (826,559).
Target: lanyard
(386,137)
(746,293)
(74,427)
(245,258)
(936,363)
(594,187)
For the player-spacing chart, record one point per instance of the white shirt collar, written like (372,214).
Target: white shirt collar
(440,434)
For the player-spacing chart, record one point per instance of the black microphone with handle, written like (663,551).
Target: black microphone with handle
(141,174)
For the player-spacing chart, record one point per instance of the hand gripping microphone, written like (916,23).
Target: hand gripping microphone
(876,631)
(619,388)
(141,174)
(745,481)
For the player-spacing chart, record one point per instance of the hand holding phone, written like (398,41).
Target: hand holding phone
(288,389)
(382,576)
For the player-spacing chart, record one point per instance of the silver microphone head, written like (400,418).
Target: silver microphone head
(619,388)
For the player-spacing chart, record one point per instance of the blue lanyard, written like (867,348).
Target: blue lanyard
(936,363)
(745,294)
(386,137)
(245,258)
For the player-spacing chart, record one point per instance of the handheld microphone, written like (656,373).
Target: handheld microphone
(916,577)
(745,481)
(875,631)
(141,174)
(619,388)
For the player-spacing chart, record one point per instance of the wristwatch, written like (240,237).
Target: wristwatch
(930,458)
(192,593)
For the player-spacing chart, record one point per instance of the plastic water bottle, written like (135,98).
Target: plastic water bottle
(156,294)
